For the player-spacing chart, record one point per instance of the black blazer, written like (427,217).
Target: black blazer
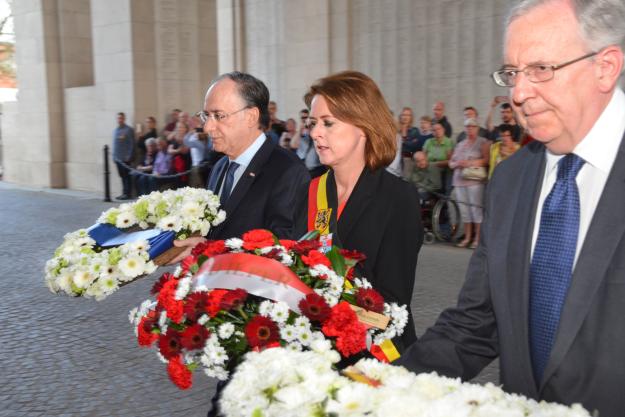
(491,319)
(265,196)
(382,219)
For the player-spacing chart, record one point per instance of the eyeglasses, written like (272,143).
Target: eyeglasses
(217,116)
(536,73)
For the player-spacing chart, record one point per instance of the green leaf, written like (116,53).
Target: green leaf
(194,268)
(141,209)
(337,261)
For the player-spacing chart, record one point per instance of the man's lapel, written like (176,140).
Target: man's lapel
(518,257)
(604,234)
(252,172)
(217,173)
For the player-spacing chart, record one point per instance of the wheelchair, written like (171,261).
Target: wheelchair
(441,219)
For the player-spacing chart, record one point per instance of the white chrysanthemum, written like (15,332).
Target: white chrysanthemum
(294,346)
(280,312)
(352,400)
(125,219)
(304,336)
(289,333)
(362,283)
(217,372)
(226,330)
(82,278)
(265,308)
(184,285)
(108,284)
(64,281)
(204,227)
(234,243)
(132,266)
(219,218)
(170,223)
(139,246)
(286,259)
(302,322)
(203,319)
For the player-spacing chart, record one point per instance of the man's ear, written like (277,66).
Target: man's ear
(253,118)
(609,64)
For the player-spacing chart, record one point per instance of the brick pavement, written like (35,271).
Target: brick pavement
(64,356)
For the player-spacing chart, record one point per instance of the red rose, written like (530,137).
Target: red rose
(161,281)
(370,299)
(179,373)
(233,299)
(261,332)
(169,344)
(213,305)
(145,336)
(193,337)
(258,238)
(350,333)
(315,258)
(288,244)
(195,305)
(314,307)
(353,254)
(305,246)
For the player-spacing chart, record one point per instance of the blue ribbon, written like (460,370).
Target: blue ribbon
(107,235)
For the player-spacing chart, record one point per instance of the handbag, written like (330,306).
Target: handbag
(474,173)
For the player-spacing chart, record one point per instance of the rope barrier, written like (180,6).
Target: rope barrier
(160,176)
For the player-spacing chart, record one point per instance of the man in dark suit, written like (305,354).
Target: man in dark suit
(545,289)
(257,181)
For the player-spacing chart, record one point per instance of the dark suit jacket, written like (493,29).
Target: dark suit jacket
(587,363)
(381,219)
(265,196)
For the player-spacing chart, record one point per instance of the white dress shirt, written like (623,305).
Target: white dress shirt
(598,149)
(244,160)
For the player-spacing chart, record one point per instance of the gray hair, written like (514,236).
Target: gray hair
(601,22)
(150,141)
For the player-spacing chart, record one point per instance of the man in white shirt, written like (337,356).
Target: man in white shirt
(545,289)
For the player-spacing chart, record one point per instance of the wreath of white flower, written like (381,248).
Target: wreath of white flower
(82,268)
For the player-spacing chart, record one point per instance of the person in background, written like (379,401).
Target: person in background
(276,126)
(439,116)
(425,176)
(200,150)
(143,181)
(501,149)
(123,149)
(289,135)
(306,148)
(438,150)
(470,112)
(469,192)
(181,158)
(507,119)
(409,136)
(161,166)
(171,126)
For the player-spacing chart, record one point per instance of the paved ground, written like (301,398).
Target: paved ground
(62,356)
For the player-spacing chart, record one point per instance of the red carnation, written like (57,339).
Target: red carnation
(214,247)
(195,305)
(193,337)
(145,336)
(315,258)
(315,307)
(305,246)
(353,254)
(179,373)
(166,300)
(233,299)
(288,244)
(213,305)
(343,323)
(261,332)
(169,344)
(370,299)
(258,238)
(187,263)
(158,285)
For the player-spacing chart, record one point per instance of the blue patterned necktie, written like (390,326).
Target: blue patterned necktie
(552,262)
(228,182)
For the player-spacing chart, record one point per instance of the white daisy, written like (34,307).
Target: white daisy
(132,266)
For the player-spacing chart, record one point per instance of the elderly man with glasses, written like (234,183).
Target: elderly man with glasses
(257,181)
(544,290)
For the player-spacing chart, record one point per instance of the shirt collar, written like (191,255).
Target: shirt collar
(601,144)
(246,157)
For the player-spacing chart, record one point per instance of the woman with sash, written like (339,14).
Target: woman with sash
(357,204)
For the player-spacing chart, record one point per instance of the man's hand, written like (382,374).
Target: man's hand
(187,244)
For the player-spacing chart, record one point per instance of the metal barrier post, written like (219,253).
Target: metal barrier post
(107,184)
